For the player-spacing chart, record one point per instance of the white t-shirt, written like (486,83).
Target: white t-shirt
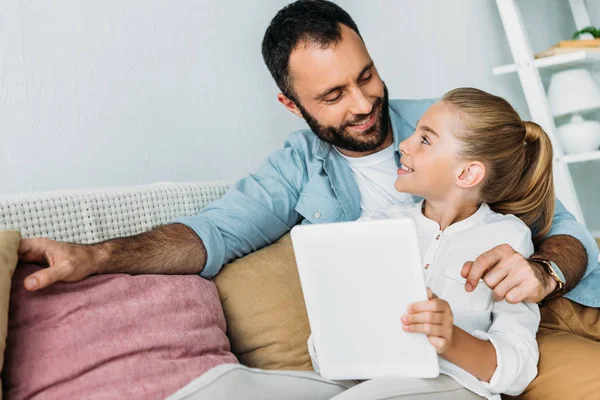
(511,328)
(375,175)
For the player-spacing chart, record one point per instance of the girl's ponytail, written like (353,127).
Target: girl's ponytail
(517,155)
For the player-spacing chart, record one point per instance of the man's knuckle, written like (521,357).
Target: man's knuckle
(504,247)
(516,258)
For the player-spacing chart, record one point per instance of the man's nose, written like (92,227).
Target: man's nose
(361,105)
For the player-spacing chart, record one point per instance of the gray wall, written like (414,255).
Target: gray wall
(119,93)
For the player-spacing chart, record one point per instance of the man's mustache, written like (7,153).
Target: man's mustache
(360,117)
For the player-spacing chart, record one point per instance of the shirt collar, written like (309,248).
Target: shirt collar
(456,227)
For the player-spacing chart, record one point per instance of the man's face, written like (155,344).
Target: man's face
(340,94)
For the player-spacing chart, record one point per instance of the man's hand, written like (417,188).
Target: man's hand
(509,275)
(66,262)
(167,249)
(433,318)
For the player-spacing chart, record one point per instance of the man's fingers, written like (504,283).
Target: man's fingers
(517,294)
(42,278)
(500,290)
(33,250)
(481,265)
(464,272)
(495,276)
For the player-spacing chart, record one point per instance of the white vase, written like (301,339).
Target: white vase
(579,135)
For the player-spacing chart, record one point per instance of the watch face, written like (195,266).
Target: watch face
(556,271)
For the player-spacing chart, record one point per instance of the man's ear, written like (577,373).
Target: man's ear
(289,104)
(471,175)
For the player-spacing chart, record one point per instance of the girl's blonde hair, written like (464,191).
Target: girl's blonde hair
(517,155)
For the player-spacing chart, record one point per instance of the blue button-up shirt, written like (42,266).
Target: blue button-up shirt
(307,182)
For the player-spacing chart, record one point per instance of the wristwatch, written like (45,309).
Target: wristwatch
(556,274)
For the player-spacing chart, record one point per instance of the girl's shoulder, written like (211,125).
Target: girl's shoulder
(507,222)
(508,229)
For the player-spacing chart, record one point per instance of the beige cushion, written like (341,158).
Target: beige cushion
(9,245)
(264,308)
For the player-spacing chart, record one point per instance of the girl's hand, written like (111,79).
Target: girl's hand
(433,318)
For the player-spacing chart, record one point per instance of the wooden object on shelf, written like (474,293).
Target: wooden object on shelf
(569,46)
(578,43)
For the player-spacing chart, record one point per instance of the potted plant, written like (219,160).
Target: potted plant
(595,32)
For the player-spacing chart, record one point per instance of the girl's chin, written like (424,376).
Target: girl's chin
(402,187)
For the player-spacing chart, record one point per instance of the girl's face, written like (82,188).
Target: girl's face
(430,158)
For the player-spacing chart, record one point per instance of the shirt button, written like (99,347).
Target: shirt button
(426,266)
(317,215)
(438,237)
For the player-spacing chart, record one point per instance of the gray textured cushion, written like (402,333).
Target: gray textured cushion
(441,388)
(238,382)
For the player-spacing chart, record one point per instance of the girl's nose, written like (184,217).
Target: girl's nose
(403,147)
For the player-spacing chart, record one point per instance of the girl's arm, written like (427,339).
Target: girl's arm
(476,356)
(504,358)
(512,338)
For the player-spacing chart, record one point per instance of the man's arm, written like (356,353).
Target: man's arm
(256,211)
(569,254)
(169,249)
(514,278)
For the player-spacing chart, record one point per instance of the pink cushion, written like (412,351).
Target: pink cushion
(112,337)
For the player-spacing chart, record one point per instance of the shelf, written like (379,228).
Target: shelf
(581,157)
(582,58)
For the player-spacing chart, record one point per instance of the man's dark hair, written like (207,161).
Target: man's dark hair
(313,21)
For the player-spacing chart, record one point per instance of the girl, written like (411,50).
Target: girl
(485,175)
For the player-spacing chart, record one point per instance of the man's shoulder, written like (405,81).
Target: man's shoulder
(306,143)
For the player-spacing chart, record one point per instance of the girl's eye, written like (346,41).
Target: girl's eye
(424,140)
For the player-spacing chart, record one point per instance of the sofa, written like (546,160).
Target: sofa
(239,336)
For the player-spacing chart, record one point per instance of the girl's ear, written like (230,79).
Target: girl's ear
(471,175)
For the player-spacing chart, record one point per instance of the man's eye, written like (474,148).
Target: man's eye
(367,78)
(334,99)
(424,140)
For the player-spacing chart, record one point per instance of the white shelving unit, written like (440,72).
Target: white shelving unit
(576,59)
(530,71)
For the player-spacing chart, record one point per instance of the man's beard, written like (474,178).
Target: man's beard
(359,142)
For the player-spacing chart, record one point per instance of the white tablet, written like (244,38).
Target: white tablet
(357,279)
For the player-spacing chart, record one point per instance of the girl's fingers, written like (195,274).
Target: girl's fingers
(436,318)
(439,343)
(427,329)
(433,305)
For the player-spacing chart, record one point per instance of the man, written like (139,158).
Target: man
(343,166)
